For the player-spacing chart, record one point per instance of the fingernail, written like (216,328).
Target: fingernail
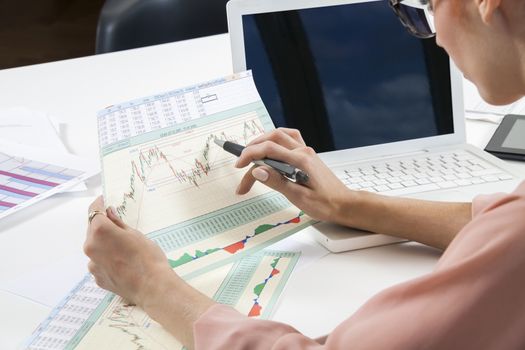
(237,163)
(260,174)
(114,211)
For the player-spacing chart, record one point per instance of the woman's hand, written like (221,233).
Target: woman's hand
(322,197)
(123,260)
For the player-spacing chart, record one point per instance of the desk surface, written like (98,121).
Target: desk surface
(73,91)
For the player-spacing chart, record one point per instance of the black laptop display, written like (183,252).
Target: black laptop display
(348,76)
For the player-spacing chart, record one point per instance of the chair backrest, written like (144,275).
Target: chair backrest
(127,24)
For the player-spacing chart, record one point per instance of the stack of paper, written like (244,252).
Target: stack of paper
(34,163)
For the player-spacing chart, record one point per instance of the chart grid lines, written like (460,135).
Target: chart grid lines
(168,179)
(25,181)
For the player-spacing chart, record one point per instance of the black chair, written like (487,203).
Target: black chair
(127,24)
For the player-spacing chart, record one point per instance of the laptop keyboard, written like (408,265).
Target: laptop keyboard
(421,173)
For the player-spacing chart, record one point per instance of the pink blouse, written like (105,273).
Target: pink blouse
(474,298)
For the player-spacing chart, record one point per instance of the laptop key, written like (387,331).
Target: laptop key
(415,189)
(490,178)
(368,189)
(463,182)
(380,182)
(477,181)
(381,188)
(464,175)
(447,184)
(394,180)
(395,186)
(409,183)
(423,181)
(491,171)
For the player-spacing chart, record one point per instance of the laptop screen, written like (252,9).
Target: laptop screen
(348,75)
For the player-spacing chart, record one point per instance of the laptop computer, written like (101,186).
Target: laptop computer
(383,109)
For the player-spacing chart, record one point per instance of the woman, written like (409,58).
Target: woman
(475,297)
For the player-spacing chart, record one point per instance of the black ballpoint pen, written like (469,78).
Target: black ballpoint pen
(285,169)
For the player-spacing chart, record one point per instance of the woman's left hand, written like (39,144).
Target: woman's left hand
(126,263)
(123,260)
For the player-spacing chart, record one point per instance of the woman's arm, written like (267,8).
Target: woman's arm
(431,223)
(176,306)
(125,262)
(325,197)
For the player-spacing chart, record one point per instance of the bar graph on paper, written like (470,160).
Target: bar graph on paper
(24,181)
(167,178)
(91,318)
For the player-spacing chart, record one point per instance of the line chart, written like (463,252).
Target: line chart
(233,247)
(178,187)
(224,236)
(181,188)
(258,289)
(120,325)
(168,179)
(121,318)
(149,182)
(190,173)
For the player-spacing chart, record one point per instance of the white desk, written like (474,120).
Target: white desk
(316,298)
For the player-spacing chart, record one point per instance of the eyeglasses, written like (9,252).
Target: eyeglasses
(416,16)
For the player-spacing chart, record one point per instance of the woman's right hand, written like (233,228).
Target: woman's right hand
(323,197)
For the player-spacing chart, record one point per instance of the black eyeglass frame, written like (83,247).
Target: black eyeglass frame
(395,5)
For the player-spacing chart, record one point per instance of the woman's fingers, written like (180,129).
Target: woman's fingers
(269,149)
(98,204)
(99,219)
(295,134)
(111,212)
(281,137)
(271,178)
(247,182)
(274,180)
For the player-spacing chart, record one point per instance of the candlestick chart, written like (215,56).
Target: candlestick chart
(180,191)
(158,183)
(169,180)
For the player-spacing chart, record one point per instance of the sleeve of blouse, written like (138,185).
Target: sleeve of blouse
(222,327)
(483,201)
(472,300)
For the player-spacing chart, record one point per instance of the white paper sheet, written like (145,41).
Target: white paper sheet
(302,242)
(29,174)
(477,109)
(33,128)
(53,280)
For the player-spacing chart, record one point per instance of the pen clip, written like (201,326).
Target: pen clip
(299,177)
